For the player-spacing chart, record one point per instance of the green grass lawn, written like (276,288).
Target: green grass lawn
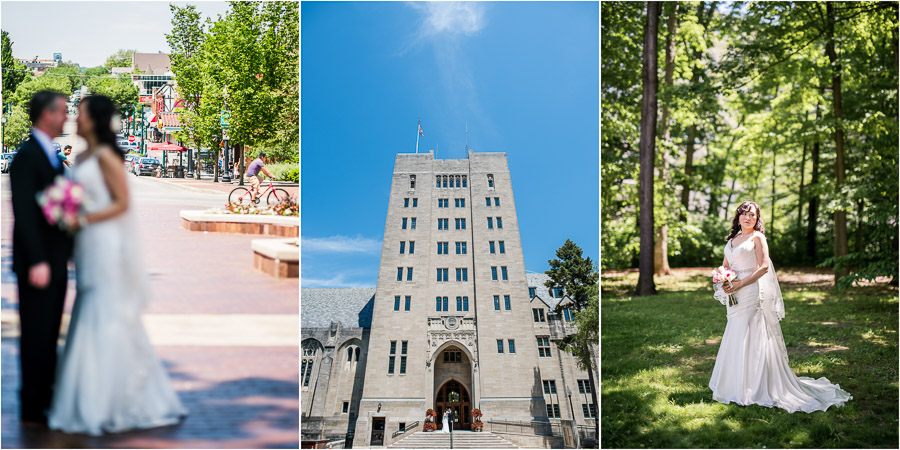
(658,352)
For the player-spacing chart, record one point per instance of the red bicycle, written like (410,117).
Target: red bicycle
(243,196)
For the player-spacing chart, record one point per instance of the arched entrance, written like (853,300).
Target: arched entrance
(453,395)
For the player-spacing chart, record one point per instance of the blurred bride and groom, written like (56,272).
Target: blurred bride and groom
(108,378)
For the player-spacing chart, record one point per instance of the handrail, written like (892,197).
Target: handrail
(409,427)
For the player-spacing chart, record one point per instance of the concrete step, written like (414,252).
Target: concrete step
(461,439)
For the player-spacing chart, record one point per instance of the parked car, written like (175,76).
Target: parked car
(145,166)
(5,161)
(129,160)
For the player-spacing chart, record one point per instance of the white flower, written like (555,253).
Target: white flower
(56,193)
(76,192)
(56,212)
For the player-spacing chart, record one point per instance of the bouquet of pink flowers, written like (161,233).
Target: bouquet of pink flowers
(61,202)
(721,276)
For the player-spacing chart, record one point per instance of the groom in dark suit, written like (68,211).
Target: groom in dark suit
(40,255)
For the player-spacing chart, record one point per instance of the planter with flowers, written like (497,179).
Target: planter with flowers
(477,425)
(429,421)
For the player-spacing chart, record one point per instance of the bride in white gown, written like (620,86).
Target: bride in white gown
(109,378)
(752,363)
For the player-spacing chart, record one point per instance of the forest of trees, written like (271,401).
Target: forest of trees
(790,104)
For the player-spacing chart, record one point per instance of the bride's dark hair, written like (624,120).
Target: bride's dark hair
(736,224)
(101,110)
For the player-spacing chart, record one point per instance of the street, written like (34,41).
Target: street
(227,334)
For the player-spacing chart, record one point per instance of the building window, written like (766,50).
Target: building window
(409,274)
(584,387)
(507,302)
(443,202)
(442,274)
(406,203)
(497,303)
(490,222)
(499,223)
(496,201)
(444,304)
(460,203)
(391,358)
(459,274)
(503,269)
(444,180)
(538,314)
(412,247)
(415,202)
(399,274)
(403,358)
(452,356)
(553,411)
(493,274)
(412,223)
(549,386)
(396,303)
(460,224)
(512,345)
(402,247)
(349,354)
(459,305)
(460,248)
(567,314)
(458,180)
(490,180)
(438,179)
(502,247)
(487,201)
(499,345)
(404,224)
(306,371)
(589,410)
(412,181)
(464,180)
(407,302)
(543,347)
(531,292)
(443,224)
(346,407)
(491,244)
(357,354)
(443,248)
(465,274)
(465,303)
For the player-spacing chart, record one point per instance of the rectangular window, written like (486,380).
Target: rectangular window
(403,347)
(443,224)
(446,305)
(512,345)
(346,407)
(399,274)
(393,347)
(465,273)
(541,313)
(402,247)
(496,201)
(412,181)
(412,247)
(490,178)
(502,247)
(404,224)
(506,301)
(462,203)
(487,201)
(409,274)
(584,387)
(390,365)
(534,313)
(546,386)
(460,224)
(531,292)
(459,303)
(543,347)
(406,203)
(444,178)
(406,304)
(493,273)
(567,315)
(499,345)
(464,181)
(556,410)
(550,411)
(438,179)
(458,247)
(443,274)
(503,269)
(497,303)
(458,275)
(465,303)
(402,365)
(499,223)
(412,223)
(457,180)
(415,202)
(437,303)
(490,222)
(590,412)
(396,303)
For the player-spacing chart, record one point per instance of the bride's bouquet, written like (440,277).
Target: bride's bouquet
(721,276)
(61,202)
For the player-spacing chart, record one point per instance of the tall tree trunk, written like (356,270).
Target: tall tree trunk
(661,250)
(859,225)
(841,247)
(813,209)
(649,83)
(800,196)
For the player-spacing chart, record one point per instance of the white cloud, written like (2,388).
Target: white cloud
(340,244)
(338,281)
(465,18)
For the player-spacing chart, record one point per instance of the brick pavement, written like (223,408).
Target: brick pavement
(242,389)
(206,184)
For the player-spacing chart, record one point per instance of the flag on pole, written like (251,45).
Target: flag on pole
(421,133)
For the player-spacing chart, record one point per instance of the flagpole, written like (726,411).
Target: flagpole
(417,135)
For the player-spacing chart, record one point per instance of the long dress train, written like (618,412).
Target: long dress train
(752,364)
(109,378)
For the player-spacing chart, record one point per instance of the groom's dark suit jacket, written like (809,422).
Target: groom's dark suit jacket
(34,239)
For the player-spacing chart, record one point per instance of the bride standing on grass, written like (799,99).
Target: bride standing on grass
(752,364)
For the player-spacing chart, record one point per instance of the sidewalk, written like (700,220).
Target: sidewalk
(228,335)
(206,184)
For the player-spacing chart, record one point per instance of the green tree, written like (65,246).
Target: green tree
(578,277)
(121,58)
(50,83)
(14,72)
(120,90)
(71,74)
(16,127)
(186,45)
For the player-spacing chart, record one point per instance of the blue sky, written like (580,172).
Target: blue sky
(524,75)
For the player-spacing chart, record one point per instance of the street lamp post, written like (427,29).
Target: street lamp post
(226,167)
(3,134)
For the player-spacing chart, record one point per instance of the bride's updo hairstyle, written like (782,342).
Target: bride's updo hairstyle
(101,111)
(736,222)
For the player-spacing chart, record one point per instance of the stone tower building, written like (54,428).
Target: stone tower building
(452,318)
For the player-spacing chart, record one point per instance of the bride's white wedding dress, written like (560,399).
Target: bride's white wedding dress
(109,378)
(752,363)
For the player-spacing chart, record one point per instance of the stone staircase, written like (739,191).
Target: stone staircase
(461,439)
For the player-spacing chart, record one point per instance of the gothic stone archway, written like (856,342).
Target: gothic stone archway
(453,395)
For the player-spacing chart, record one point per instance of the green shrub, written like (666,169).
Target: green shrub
(285,171)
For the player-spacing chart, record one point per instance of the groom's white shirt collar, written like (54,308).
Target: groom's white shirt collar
(47,145)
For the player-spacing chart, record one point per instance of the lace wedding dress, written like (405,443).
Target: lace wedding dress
(109,378)
(752,363)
